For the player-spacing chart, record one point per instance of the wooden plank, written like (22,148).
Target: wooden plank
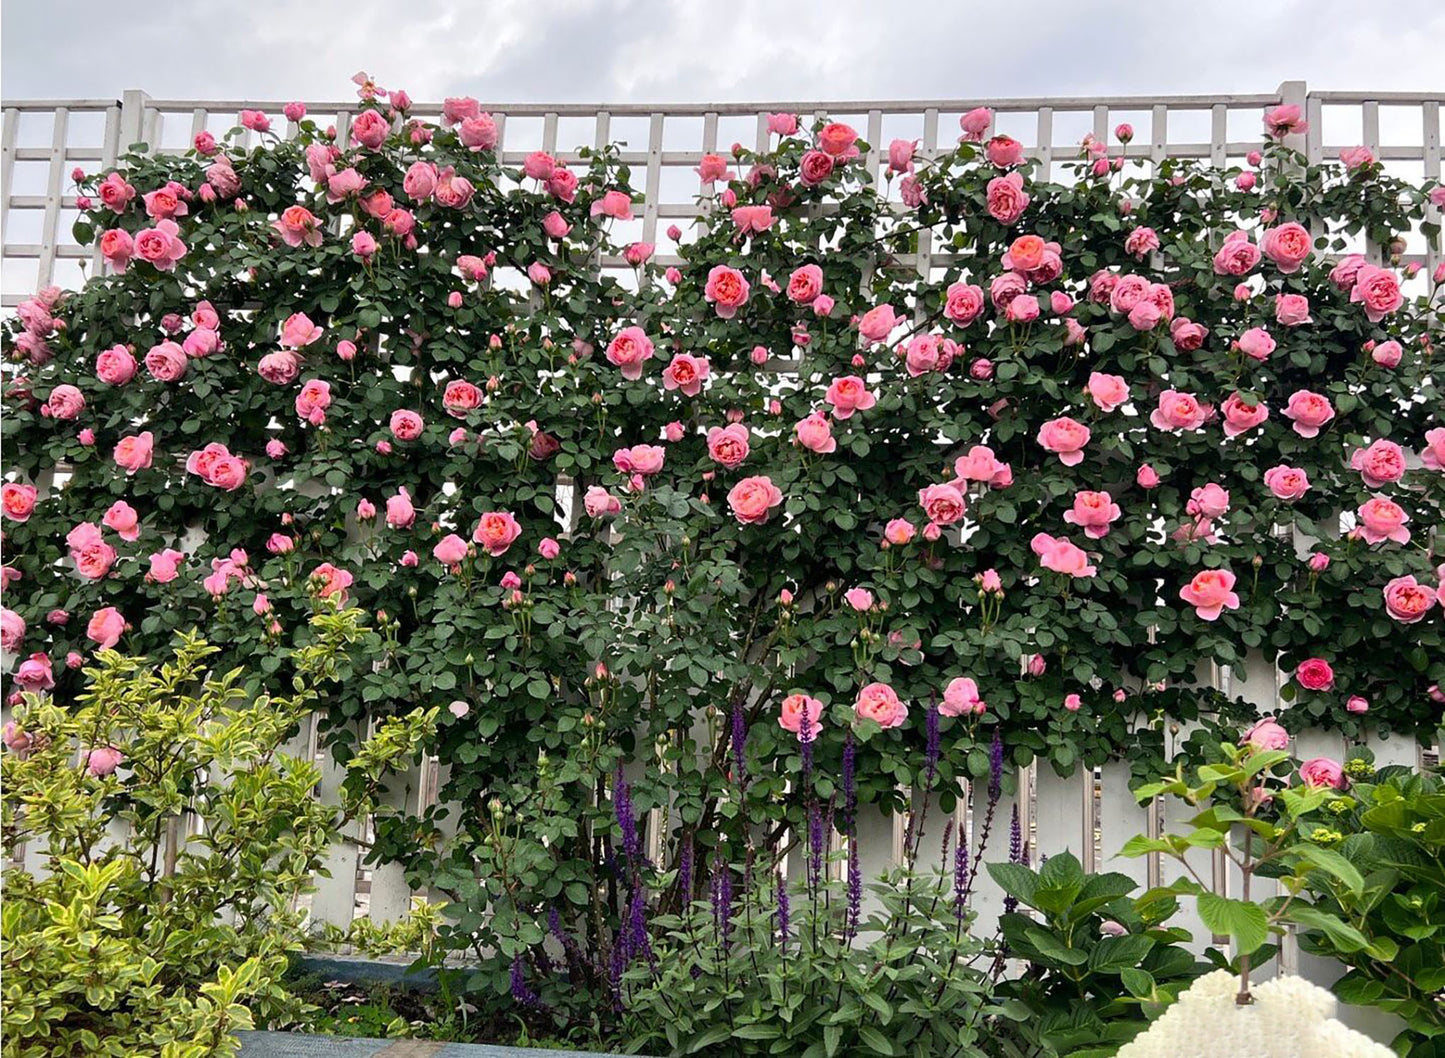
(1062,813)
(989,843)
(50,226)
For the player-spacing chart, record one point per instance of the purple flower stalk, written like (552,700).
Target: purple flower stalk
(805,741)
(960,875)
(626,819)
(815,845)
(1016,854)
(722,905)
(637,943)
(684,871)
(521,991)
(783,913)
(855,892)
(850,783)
(995,767)
(740,746)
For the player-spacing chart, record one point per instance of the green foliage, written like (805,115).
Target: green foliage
(1101,963)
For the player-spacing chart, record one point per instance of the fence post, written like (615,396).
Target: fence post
(1295,92)
(133,103)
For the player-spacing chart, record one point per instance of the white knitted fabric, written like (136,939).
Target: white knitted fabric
(1289,1018)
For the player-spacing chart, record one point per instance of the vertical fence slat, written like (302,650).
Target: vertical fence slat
(1062,813)
(7,168)
(1120,818)
(989,843)
(334,901)
(50,231)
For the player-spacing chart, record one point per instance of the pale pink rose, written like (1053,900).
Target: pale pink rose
(1433,455)
(1292,310)
(899,531)
(1381,519)
(122,517)
(925,353)
(1005,197)
(313,400)
(1004,288)
(1237,257)
(1061,555)
(687,373)
(1407,600)
(117,247)
(980,464)
(1208,501)
(166,362)
(860,599)
(838,140)
(880,703)
(555,225)
(674,431)
(1383,463)
(752,219)
(450,550)
(539,165)
(478,133)
(12,631)
(400,514)
(1061,304)
(614,204)
(1179,411)
(1141,242)
(216,466)
(35,673)
(65,402)
(961,698)
(1004,152)
(877,323)
(1308,411)
(645,460)
(1285,120)
(298,331)
(1288,246)
(600,503)
(1093,512)
(496,531)
(343,185)
(728,445)
(201,342)
(562,184)
(1287,483)
(405,425)
(165,565)
(963,303)
(346,349)
(1356,704)
(638,253)
(18,500)
(1107,391)
(815,433)
(849,394)
(752,499)
(1066,438)
(1025,309)
(103,761)
(1387,354)
(331,581)
(1256,343)
(364,245)
(134,452)
(115,366)
(1378,290)
(1322,772)
(1345,273)
(1128,292)
(944,503)
(105,627)
(280,367)
(782,124)
(1211,592)
(1073,702)
(801,715)
(298,225)
(629,350)
(1241,416)
(539,273)
(1187,335)
(1266,735)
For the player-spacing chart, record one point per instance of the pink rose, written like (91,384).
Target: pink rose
(877,323)
(105,627)
(805,284)
(645,460)
(298,225)
(122,517)
(134,452)
(66,402)
(461,397)
(201,342)
(728,445)
(115,193)
(165,565)
(1344,274)
(1287,245)
(1321,771)
(838,140)
(1266,735)
(330,580)
(1241,416)
(899,531)
(1237,257)
(1179,411)
(815,167)
(549,548)
(801,714)
(1025,309)
(1387,354)
(815,433)
(1287,483)
(1433,455)
(782,124)
(115,366)
(280,367)
(629,350)
(12,631)
(1292,310)
(1061,555)
(687,373)
(1284,120)
(1383,463)
(1093,512)
(1211,592)
(17,501)
(1004,151)
(974,124)
(1187,335)
(298,331)
(963,303)
(450,549)
(1308,411)
(1256,344)
(35,673)
(555,225)
(166,362)
(1381,519)
(980,464)
(614,204)
(849,394)
(879,702)
(495,532)
(1407,600)
(944,504)
(1005,197)
(400,514)
(1141,242)
(1378,290)
(599,502)
(1107,391)
(1315,674)
(752,499)
(860,599)
(1356,704)
(961,698)
(1066,438)
(405,425)
(117,247)
(103,761)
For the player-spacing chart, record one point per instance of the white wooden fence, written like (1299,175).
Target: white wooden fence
(1091,813)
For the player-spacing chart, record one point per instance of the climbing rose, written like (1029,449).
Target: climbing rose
(879,702)
(1093,512)
(687,373)
(1308,411)
(752,499)
(1066,438)
(1407,600)
(1210,592)
(495,532)
(1321,771)
(849,394)
(943,504)
(629,350)
(1381,519)
(1287,483)
(728,445)
(1288,246)
(799,710)
(1061,555)
(1382,463)
(961,698)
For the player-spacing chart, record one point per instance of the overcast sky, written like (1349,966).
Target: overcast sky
(715,50)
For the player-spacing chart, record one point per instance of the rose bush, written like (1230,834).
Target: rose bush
(618,520)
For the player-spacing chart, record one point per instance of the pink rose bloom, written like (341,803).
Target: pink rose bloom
(849,394)
(1266,735)
(1355,704)
(1208,501)
(805,284)
(1187,335)
(638,254)
(66,402)
(166,203)
(420,181)
(1407,600)
(562,184)
(815,433)
(752,499)
(1093,512)
(1308,411)
(201,342)
(343,185)
(728,445)
(456,109)
(331,581)
(256,120)
(461,397)
(105,627)
(961,698)
(1387,354)
(166,362)
(1287,245)
(1378,290)
(134,452)
(478,133)
(1241,416)
(165,565)
(815,167)
(614,204)
(122,517)
(1383,463)
(860,599)
(364,245)
(1344,274)
(1287,483)
(963,303)
(640,459)
(629,350)
(450,549)
(1127,293)
(18,501)
(555,225)
(35,673)
(1073,702)
(1284,120)
(838,139)
(1256,344)
(1141,242)
(1211,592)
(801,714)
(1321,771)
(280,367)
(1291,310)
(12,631)
(539,273)
(298,331)
(687,373)
(495,532)
(103,761)
(400,514)
(298,225)
(1004,288)
(599,502)
(1005,197)
(944,504)
(115,193)
(782,124)
(1066,438)
(539,165)
(1060,303)
(1433,455)
(1315,674)
(1107,391)
(899,531)
(1004,152)
(1025,309)
(313,400)
(1237,257)
(117,247)
(752,219)
(980,464)
(1061,555)
(1381,519)
(216,466)
(1319,562)
(345,349)
(877,323)
(879,702)
(1179,411)
(673,431)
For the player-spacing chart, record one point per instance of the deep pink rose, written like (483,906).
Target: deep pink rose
(1093,512)
(687,373)
(728,445)
(880,703)
(629,350)
(1308,411)
(752,499)
(1288,246)
(1321,771)
(1287,483)
(1407,600)
(1315,674)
